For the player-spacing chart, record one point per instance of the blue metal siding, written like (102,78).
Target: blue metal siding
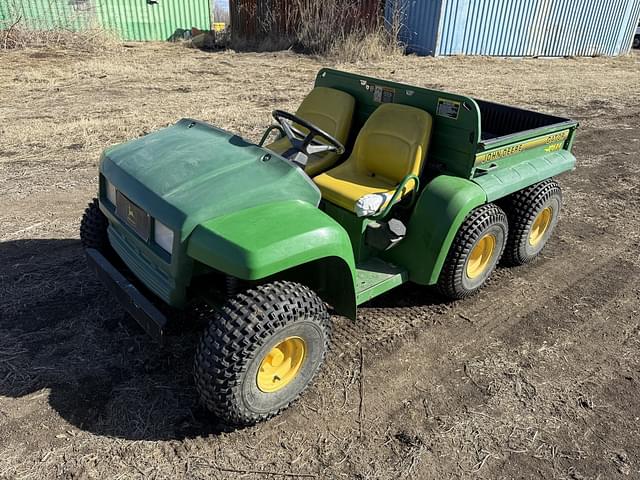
(418,21)
(567,27)
(518,28)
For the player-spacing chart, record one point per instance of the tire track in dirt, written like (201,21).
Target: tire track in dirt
(487,380)
(509,374)
(446,338)
(377,326)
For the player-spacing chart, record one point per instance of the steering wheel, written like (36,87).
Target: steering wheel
(305,143)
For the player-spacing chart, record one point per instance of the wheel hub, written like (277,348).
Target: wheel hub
(281,364)
(540,226)
(481,255)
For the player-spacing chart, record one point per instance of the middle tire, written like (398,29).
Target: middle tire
(475,252)
(261,351)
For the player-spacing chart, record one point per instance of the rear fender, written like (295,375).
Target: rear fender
(520,171)
(289,239)
(438,214)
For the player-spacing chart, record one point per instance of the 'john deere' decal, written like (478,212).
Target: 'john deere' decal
(555,142)
(135,217)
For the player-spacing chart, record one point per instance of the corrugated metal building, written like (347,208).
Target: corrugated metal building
(522,28)
(259,19)
(129,19)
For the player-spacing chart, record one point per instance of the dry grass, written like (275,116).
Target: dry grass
(366,47)
(15,36)
(66,31)
(334,29)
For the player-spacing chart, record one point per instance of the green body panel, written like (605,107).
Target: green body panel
(261,241)
(440,210)
(354,226)
(519,171)
(191,172)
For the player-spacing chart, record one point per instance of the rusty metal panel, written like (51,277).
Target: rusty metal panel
(258,19)
(242,16)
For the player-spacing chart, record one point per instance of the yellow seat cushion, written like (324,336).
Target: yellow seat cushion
(344,186)
(392,144)
(330,110)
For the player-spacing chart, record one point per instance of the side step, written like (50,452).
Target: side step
(375,276)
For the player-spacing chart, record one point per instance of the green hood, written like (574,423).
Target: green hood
(192,172)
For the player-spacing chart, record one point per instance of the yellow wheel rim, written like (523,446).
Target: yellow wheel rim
(540,226)
(481,255)
(281,365)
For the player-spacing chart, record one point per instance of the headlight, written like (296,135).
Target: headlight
(111,192)
(163,236)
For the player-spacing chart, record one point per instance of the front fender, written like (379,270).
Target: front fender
(440,210)
(273,238)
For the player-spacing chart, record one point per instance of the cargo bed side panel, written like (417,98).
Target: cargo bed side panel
(522,170)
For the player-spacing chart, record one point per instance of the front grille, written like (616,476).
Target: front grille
(155,279)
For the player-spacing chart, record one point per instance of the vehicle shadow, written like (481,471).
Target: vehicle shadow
(61,330)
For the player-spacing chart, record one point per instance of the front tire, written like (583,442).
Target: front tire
(533,214)
(93,228)
(261,351)
(474,253)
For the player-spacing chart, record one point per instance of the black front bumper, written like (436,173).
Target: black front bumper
(152,320)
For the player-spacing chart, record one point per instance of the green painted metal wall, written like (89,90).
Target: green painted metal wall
(139,20)
(129,19)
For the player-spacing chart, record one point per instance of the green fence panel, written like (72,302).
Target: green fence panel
(130,19)
(142,20)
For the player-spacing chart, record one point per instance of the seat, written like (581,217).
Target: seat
(332,111)
(392,144)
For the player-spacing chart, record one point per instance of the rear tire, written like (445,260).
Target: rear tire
(474,253)
(533,214)
(261,351)
(93,228)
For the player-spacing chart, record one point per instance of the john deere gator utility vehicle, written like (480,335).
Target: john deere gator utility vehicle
(369,185)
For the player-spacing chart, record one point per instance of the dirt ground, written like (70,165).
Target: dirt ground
(536,377)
